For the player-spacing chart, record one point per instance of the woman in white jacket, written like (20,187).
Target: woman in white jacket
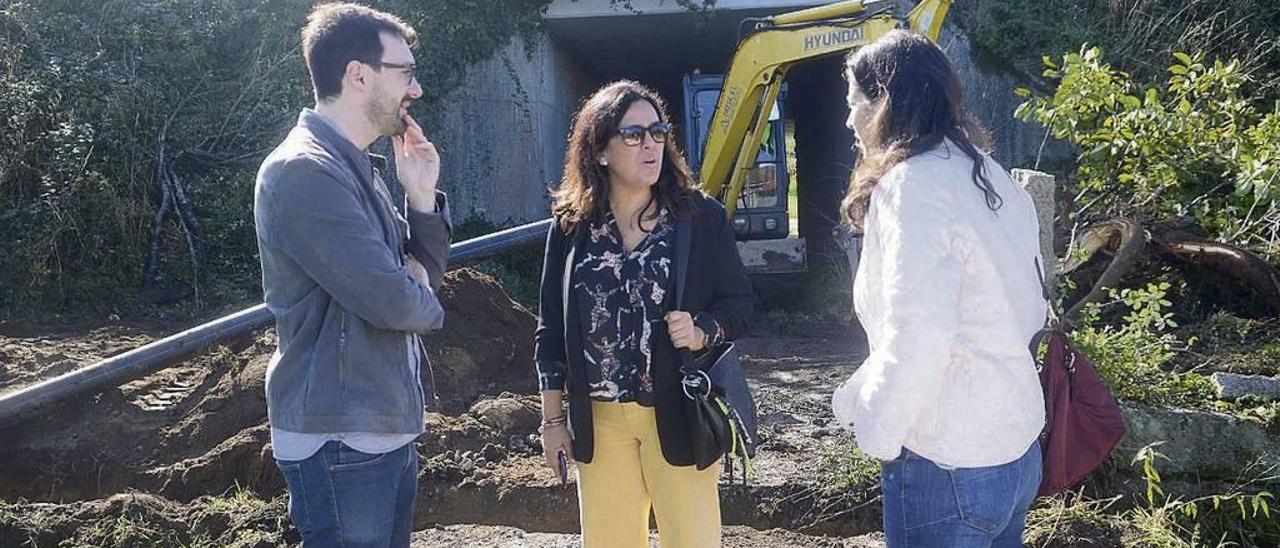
(948,291)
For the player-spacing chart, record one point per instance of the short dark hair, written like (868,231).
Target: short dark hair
(338,33)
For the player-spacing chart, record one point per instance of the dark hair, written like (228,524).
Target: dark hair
(584,191)
(336,34)
(919,103)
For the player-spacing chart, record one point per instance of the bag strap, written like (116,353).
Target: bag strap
(684,242)
(1052,319)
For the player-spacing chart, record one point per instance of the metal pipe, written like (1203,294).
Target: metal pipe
(157,355)
(486,246)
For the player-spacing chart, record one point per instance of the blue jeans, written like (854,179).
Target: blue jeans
(343,497)
(926,505)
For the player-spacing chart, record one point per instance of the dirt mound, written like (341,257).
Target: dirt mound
(483,480)
(199,427)
(139,519)
(486,345)
(118,439)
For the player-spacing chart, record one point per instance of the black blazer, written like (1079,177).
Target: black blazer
(716,284)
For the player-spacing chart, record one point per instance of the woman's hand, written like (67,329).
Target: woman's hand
(684,334)
(555,433)
(555,439)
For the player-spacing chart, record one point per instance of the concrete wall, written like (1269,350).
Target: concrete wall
(502,133)
(989,93)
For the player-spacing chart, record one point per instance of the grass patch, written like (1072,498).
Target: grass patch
(127,530)
(847,468)
(1060,521)
(842,482)
(1228,343)
(1154,516)
(238,500)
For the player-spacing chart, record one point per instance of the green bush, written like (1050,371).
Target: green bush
(92,90)
(1134,357)
(1192,146)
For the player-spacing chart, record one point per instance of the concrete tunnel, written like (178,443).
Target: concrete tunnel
(658,42)
(502,132)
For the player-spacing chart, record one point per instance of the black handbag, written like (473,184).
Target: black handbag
(721,411)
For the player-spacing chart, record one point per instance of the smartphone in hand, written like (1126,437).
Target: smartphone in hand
(563,467)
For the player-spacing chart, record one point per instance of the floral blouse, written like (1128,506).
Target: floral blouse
(620,304)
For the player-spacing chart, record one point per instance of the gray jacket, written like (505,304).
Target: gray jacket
(347,313)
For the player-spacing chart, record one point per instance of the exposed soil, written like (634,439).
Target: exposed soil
(27,357)
(734,537)
(199,427)
(183,454)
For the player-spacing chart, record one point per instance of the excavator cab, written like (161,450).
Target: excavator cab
(762,209)
(734,122)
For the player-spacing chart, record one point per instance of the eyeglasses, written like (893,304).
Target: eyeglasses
(632,136)
(410,69)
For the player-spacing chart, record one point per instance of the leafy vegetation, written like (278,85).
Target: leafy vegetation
(96,96)
(1134,357)
(1238,515)
(1191,146)
(1139,34)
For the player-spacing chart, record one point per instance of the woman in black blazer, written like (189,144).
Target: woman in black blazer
(608,332)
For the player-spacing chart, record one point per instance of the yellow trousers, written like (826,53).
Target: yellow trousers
(628,475)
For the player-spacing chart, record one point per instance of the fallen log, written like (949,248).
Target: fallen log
(1129,241)
(1175,241)
(1238,265)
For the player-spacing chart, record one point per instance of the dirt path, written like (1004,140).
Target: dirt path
(734,537)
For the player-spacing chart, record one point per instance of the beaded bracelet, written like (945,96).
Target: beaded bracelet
(551,422)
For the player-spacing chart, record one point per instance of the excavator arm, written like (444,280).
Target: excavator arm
(755,75)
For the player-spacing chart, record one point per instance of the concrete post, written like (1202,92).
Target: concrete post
(1041,186)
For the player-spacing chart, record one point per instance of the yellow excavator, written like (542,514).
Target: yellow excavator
(733,124)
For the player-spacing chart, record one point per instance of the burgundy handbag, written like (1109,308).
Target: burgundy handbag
(1082,420)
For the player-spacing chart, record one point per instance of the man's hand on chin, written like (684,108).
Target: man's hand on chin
(417,166)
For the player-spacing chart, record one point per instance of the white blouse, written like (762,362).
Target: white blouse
(947,291)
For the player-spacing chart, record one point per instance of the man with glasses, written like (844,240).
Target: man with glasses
(351,282)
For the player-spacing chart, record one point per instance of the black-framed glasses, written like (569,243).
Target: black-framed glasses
(410,69)
(632,136)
